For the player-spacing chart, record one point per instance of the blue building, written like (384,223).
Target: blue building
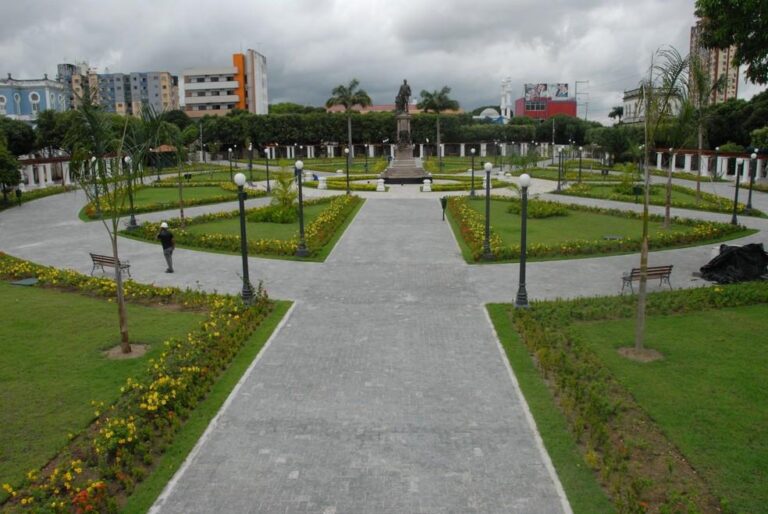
(23,99)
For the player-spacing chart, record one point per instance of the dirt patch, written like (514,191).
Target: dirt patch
(116,352)
(640,354)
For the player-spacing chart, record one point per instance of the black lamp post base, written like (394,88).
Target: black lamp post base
(521,302)
(247,294)
(302,251)
(132,225)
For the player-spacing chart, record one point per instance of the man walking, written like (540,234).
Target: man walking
(166,239)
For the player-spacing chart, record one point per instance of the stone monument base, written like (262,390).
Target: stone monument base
(403,169)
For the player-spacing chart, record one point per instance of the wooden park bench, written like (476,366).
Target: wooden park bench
(99,261)
(660,272)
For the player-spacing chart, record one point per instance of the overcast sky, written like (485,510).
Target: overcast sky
(313,45)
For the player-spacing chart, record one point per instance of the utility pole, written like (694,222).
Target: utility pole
(577,95)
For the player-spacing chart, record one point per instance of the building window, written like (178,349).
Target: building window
(214,79)
(34,99)
(3,101)
(215,107)
(200,79)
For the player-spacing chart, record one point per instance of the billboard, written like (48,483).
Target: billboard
(556,91)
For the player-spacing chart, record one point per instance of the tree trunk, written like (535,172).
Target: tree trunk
(668,199)
(640,324)
(698,172)
(125,344)
(439,148)
(181,196)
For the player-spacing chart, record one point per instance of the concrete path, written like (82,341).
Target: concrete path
(385,389)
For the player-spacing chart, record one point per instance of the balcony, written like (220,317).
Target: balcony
(223,99)
(198,86)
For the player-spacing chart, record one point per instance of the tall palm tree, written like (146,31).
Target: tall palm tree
(349,96)
(437,101)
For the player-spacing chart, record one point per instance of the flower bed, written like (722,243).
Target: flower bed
(603,416)
(339,183)
(316,235)
(117,450)
(472,228)
(91,212)
(465,183)
(709,201)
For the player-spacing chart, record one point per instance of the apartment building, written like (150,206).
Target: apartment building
(717,63)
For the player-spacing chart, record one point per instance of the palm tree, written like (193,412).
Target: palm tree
(658,97)
(617,112)
(701,90)
(437,101)
(349,96)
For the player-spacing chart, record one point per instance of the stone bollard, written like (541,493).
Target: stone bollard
(427,186)
(321,183)
(380,185)
(485,183)
(308,176)
(339,171)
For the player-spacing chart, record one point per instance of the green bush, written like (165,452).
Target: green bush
(539,209)
(274,214)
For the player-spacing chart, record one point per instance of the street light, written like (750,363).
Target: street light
(427,149)
(734,219)
(752,164)
(346,154)
(487,254)
(247,289)
(229,153)
(522,294)
(581,149)
(250,161)
(266,158)
(717,159)
(367,146)
(235,147)
(301,251)
(132,222)
(472,169)
(559,167)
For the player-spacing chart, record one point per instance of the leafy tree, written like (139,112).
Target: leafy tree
(617,141)
(741,23)
(9,171)
(177,117)
(617,112)
(19,136)
(760,138)
(437,102)
(348,97)
(293,108)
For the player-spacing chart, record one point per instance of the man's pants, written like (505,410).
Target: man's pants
(168,252)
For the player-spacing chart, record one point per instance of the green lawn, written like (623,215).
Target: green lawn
(577,225)
(222,175)
(658,195)
(581,487)
(571,175)
(153,195)
(709,394)
(283,231)
(52,366)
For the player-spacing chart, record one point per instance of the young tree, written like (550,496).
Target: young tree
(658,95)
(9,171)
(437,102)
(348,97)
(98,149)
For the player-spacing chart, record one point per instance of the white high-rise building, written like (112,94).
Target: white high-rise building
(507,104)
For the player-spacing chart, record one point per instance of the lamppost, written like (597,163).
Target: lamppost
(581,149)
(157,164)
(247,289)
(366,156)
(250,162)
(235,147)
(487,254)
(472,169)
(266,158)
(522,294)
(559,167)
(202,150)
(734,219)
(717,159)
(127,163)
(426,150)
(229,153)
(346,154)
(301,251)
(752,169)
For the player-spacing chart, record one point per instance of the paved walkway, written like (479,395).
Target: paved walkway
(385,389)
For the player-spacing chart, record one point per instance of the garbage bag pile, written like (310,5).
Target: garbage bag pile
(737,264)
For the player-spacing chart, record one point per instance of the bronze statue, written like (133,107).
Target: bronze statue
(403,97)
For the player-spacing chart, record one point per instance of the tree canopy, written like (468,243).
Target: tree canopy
(743,24)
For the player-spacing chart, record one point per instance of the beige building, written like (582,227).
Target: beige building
(717,63)
(216,91)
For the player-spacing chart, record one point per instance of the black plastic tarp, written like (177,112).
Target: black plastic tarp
(737,264)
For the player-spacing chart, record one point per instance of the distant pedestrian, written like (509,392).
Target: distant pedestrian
(169,245)
(18,195)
